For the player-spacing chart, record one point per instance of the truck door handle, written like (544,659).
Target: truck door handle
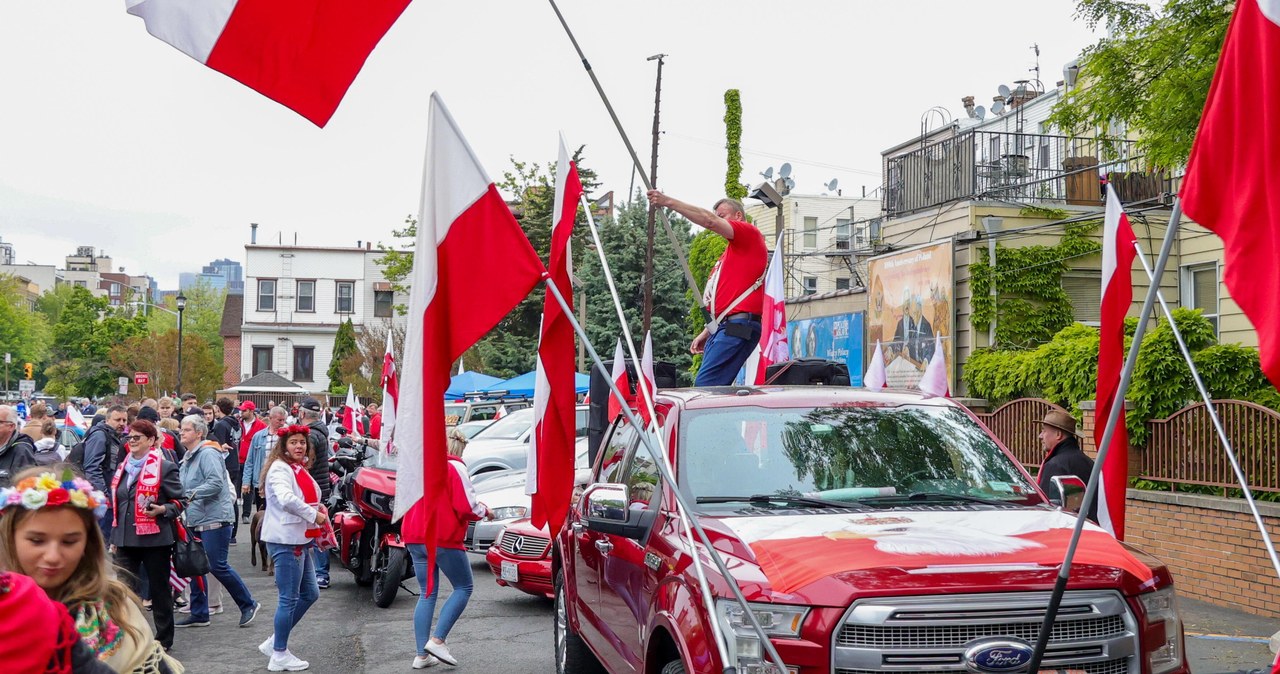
(577,527)
(604,546)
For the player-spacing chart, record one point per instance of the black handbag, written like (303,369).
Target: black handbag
(189,558)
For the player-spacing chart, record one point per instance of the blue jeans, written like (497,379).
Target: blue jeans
(723,354)
(320,558)
(215,546)
(296,580)
(457,568)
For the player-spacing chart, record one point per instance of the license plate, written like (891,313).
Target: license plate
(510,572)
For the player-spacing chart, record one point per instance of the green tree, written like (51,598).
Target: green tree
(344,346)
(733,187)
(157,354)
(51,302)
(201,317)
(707,247)
(86,331)
(1152,74)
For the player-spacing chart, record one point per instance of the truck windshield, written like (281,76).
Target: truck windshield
(861,454)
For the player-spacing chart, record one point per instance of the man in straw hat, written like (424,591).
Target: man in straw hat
(1063,455)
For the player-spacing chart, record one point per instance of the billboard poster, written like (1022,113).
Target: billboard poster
(910,303)
(836,337)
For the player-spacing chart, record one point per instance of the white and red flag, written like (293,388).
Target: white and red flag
(351,412)
(390,396)
(466,234)
(645,393)
(302,54)
(75,418)
(876,376)
(551,446)
(1117,295)
(1230,185)
(620,379)
(773,346)
(934,380)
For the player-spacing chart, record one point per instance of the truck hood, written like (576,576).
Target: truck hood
(828,559)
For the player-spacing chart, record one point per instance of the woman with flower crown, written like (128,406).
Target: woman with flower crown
(49,532)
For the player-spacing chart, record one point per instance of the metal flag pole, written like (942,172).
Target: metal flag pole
(1213,415)
(1113,417)
(662,458)
(635,160)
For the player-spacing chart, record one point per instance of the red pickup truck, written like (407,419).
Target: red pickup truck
(869,532)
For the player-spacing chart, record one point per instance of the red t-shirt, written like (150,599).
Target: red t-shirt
(740,266)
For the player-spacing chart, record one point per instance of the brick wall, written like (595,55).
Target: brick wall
(230,361)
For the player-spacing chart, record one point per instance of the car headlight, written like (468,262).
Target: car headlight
(745,649)
(1161,606)
(510,512)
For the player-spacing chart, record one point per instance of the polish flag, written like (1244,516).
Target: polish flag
(75,418)
(934,381)
(466,235)
(390,394)
(302,54)
(646,377)
(876,377)
(551,445)
(619,377)
(1230,184)
(351,412)
(773,346)
(1117,295)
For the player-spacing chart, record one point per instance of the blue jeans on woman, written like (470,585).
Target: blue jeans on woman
(457,568)
(296,580)
(215,547)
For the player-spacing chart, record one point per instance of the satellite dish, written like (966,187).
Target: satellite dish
(768,173)
(789,183)
(980,112)
(997,107)
(785,170)
(1004,91)
(831,186)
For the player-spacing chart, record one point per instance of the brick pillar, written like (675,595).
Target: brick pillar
(1090,436)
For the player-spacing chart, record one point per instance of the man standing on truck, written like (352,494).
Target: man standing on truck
(733,295)
(1063,454)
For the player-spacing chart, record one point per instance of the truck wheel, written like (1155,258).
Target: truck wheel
(386,579)
(572,654)
(673,667)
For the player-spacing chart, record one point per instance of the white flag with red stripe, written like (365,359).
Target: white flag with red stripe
(876,376)
(549,479)
(1117,295)
(302,54)
(465,232)
(934,380)
(646,373)
(351,412)
(620,379)
(390,394)
(773,346)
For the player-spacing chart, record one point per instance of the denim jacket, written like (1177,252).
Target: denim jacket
(206,486)
(255,460)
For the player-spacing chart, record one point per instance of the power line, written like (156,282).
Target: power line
(774,155)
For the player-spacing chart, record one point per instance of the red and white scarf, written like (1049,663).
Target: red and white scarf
(310,493)
(145,494)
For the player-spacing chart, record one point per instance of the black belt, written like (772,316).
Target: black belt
(742,315)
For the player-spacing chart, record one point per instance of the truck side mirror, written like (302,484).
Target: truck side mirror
(1067,492)
(605,503)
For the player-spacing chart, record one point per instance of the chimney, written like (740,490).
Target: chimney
(253,233)
(359,243)
(368,245)
(968,105)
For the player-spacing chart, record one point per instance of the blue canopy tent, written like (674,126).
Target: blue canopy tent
(522,386)
(461,385)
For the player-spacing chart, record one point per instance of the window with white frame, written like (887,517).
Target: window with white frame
(266,294)
(843,233)
(810,285)
(346,303)
(1200,290)
(306,296)
(810,232)
(262,359)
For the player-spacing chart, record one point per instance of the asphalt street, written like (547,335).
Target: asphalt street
(504,630)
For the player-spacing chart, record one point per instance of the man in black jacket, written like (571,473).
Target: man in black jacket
(1063,454)
(311,412)
(17,450)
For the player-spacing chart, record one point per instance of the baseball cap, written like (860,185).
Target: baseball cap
(247,406)
(311,404)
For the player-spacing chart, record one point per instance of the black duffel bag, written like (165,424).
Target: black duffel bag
(808,372)
(189,557)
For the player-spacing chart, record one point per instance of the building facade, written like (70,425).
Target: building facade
(823,237)
(224,274)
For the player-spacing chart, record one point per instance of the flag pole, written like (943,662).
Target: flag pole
(1113,417)
(1213,415)
(660,459)
(635,160)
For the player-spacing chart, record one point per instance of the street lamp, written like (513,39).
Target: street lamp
(182,305)
(767,195)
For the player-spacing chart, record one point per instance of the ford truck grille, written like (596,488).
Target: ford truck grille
(1094,632)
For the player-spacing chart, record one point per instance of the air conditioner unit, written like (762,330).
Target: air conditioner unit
(842,244)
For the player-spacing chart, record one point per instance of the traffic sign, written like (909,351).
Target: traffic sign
(141,378)
(26,386)
(123,382)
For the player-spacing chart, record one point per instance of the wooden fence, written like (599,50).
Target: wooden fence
(1017,424)
(1185,447)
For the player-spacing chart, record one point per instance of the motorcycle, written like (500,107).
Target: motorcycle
(369,542)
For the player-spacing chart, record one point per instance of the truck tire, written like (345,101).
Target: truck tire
(673,667)
(572,654)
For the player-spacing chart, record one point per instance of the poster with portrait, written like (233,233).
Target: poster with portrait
(836,338)
(910,303)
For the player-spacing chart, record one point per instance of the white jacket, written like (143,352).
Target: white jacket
(288,515)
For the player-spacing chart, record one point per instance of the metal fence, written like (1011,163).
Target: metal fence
(1185,448)
(1017,424)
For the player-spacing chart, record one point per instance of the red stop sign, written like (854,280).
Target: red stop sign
(141,378)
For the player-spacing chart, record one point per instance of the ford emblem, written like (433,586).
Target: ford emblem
(1003,655)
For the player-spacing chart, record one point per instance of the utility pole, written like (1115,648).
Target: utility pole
(653,178)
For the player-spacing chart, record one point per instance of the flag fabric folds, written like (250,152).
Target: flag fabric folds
(351,412)
(645,370)
(620,379)
(934,380)
(466,234)
(390,394)
(302,54)
(876,376)
(1117,295)
(549,479)
(1230,184)
(773,347)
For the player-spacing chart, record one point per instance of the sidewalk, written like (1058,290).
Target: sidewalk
(1225,640)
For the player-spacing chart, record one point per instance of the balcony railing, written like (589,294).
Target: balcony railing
(1018,167)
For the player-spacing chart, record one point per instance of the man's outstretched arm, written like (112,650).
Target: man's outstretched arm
(696,214)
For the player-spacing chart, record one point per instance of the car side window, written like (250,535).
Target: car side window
(614,451)
(643,479)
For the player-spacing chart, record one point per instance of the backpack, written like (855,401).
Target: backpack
(76,456)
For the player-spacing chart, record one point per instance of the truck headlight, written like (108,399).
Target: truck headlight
(745,649)
(1161,607)
(510,512)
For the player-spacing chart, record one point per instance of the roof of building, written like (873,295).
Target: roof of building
(232,316)
(266,381)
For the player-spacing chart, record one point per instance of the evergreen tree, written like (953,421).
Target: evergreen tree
(344,346)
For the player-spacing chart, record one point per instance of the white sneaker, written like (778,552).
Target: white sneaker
(266,647)
(286,662)
(441,651)
(425,661)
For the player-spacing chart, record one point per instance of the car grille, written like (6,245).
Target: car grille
(1094,632)
(531,547)
(474,544)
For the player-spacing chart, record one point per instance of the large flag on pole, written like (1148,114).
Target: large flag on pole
(390,394)
(1117,294)
(619,377)
(302,54)
(466,234)
(1232,176)
(551,445)
(351,412)
(773,346)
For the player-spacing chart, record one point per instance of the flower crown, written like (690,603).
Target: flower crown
(295,429)
(45,489)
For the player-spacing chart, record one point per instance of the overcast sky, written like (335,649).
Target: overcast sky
(112,138)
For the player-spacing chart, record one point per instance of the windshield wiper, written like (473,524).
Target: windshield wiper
(932,496)
(776,498)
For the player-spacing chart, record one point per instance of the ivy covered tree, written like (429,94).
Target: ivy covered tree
(733,187)
(344,346)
